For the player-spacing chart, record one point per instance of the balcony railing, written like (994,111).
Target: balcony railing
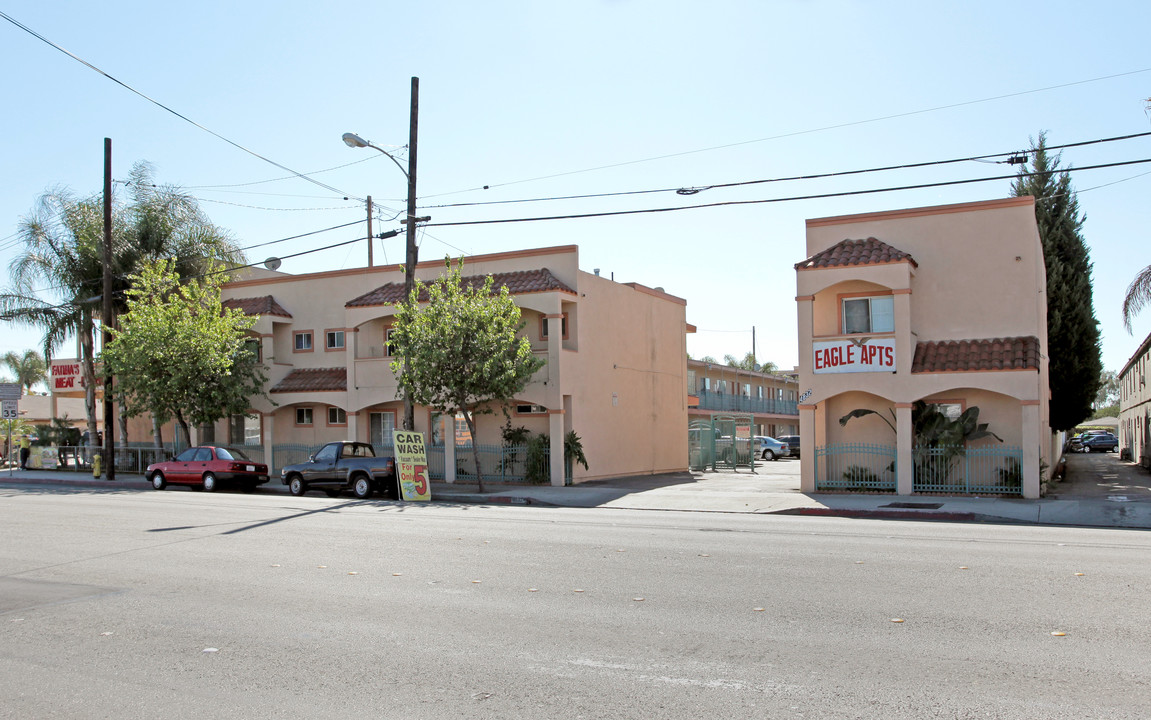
(709,400)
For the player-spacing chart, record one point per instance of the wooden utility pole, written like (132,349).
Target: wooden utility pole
(413,252)
(106,315)
(370,241)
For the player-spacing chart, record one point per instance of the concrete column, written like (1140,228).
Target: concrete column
(353,426)
(555,346)
(904,467)
(807,448)
(269,438)
(1030,434)
(449,422)
(904,340)
(556,433)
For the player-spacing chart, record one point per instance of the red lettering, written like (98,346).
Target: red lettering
(889,357)
(818,359)
(850,354)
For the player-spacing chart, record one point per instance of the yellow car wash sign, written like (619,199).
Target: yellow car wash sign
(412,465)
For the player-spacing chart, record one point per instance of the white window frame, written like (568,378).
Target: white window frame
(888,300)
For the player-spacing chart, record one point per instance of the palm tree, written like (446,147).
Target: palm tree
(63,259)
(28,368)
(1138,296)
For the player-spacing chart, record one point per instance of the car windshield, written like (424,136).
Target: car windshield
(231,454)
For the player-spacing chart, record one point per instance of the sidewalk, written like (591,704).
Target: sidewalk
(1099,491)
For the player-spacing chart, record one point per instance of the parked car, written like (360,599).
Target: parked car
(340,466)
(1105,442)
(792,442)
(769,448)
(207,467)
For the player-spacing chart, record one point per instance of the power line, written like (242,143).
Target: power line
(799,132)
(286,177)
(783,199)
(234,144)
(296,237)
(698,189)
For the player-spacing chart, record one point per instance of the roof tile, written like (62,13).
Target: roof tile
(313,380)
(518,283)
(856,252)
(265,305)
(1011,353)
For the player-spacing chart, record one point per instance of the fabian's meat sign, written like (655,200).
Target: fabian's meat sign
(848,356)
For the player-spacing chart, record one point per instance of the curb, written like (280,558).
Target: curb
(883,514)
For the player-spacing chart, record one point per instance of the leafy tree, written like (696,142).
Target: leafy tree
(64,251)
(179,353)
(1138,296)
(28,368)
(461,352)
(749,363)
(1075,368)
(1109,388)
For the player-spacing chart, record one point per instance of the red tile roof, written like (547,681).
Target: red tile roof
(856,252)
(265,305)
(1012,353)
(312,380)
(518,283)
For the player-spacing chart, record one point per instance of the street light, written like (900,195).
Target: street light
(412,256)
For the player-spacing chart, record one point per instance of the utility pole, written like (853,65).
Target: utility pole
(754,358)
(412,256)
(370,240)
(106,314)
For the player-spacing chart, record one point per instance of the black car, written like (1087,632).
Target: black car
(792,443)
(1105,442)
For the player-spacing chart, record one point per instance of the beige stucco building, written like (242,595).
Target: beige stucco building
(944,305)
(1135,406)
(615,367)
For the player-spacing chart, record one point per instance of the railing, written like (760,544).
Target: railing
(73,458)
(710,400)
(994,469)
(506,464)
(855,466)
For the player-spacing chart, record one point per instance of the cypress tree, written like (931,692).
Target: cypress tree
(1075,366)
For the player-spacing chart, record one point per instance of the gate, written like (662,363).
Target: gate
(724,442)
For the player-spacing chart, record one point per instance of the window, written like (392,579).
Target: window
(705,384)
(255,347)
(327,453)
(381,425)
(388,351)
(334,340)
(869,314)
(244,430)
(302,341)
(304,416)
(747,389)
(690,380)
(950,409)
(337,416)
(544,327)
(531,410)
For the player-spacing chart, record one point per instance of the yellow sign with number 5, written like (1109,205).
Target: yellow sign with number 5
(412,465)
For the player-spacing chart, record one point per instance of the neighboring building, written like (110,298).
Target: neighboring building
(1135,406)
(716,389)
(945,305)
(615,372)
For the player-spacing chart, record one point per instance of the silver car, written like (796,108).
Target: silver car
(769,448)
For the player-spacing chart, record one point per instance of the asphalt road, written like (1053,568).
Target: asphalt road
(128,604)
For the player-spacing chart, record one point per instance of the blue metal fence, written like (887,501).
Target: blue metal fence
(855,466)
(711,400)
(995,469)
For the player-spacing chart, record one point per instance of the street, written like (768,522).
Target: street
(123,603)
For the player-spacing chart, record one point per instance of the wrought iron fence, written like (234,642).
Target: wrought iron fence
(855,466)
(79,458)
(711,400)
(507,464)
(995,469)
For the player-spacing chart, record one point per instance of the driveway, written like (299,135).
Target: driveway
(1102,475)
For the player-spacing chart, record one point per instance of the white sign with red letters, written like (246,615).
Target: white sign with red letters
(851,356)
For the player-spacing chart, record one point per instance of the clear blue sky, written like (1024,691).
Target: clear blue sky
(552,99)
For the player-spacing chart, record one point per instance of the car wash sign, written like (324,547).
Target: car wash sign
(853,356)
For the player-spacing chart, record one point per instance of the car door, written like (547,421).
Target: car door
(200,464)
(322,469)
(177,470)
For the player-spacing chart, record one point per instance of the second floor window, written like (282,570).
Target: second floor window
(869,314)
(334,339)
(303,342)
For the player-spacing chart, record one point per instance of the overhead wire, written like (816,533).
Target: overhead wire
(158,104)
(797,133)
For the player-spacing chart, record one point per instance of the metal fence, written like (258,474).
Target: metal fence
(855,466)
(506,464)
(994,469)
(79,458)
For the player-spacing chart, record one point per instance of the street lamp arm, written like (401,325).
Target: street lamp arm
(354,140)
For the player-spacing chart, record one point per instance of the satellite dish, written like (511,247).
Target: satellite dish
(272,263)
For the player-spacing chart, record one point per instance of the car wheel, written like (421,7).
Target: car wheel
(332,493)
(768,455)
(362,488)
(296,486)
(209,482)
(159,482)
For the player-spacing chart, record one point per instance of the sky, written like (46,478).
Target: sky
(612,98)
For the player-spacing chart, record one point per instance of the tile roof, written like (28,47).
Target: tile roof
(518,283)
(856,252)
(312,380)
(265,305)
(1012,353)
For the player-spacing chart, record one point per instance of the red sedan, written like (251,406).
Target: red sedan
(207,467)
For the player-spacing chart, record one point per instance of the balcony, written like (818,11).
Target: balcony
(726,402)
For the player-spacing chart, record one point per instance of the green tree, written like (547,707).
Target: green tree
(461,352)
(1138,296)
(1108,389)
(28,368)
(178,353)
(1072,330)
(64,252)
(749,363)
